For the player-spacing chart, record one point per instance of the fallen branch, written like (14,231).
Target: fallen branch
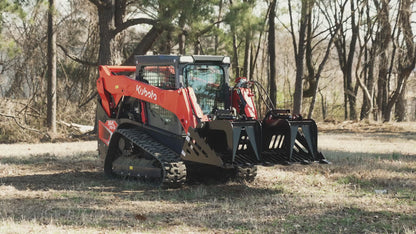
(89,135)
(22,126)
(79,127)
(26,105)
(88,63)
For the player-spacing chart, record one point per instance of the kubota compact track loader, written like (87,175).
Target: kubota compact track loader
(170,116)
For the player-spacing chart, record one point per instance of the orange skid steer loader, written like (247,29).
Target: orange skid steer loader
(171,117)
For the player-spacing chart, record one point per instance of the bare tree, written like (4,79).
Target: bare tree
(346,53)
(272,52)
(51,104)
(383,40)
(299,50)
(315,67)
(365,70)
(111,21)
(406,62)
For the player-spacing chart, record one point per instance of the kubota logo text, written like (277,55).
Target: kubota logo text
(111,124)
(144,92)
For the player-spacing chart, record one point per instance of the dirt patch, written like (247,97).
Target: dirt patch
(58,149)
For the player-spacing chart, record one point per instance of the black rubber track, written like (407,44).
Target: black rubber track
(173,169)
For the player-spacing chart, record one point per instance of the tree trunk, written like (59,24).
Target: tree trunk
(235,65)
(346,57)
(314,80)
(400,107)
(144,45)
(181,43)
(407,59)
(166,45)
(106,25)
(351,98)
(323,105)
(345,102)
(382,87)
(247,39)
(182,34)
(310,80)
(255,51)
(351,93)
(368,84)
(298,95)
(51,102)
(216,42)
(403,76)
(246,54)
(110,23)
(272,53)
(383,40)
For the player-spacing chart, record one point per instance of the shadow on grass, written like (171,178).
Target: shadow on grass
(89,200)
(235,208)
(232,208)
(45,159)
(82,172)
(74,180)
(96,181)
(83,196)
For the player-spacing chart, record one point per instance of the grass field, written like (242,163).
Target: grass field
(370,187)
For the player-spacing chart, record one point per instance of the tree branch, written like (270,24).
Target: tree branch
(292,31)
(208,28)
(144,45)
(89,99)
(77,59)
(131,22)
(20,125)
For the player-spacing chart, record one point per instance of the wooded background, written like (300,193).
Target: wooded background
(325,59)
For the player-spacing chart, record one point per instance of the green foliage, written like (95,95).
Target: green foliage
(14,7)
(241,16)
(245,24)
(197,21)
(9,48)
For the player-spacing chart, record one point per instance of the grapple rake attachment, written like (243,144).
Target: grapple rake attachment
(285,138)
(273,141)
(289,141)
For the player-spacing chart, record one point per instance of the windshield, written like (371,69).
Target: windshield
(207,82)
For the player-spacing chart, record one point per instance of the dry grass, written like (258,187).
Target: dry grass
(369,188)
(367,127)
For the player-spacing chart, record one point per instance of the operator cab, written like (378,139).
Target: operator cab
(208,77)
(207,81)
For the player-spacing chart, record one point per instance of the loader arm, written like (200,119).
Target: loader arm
(112,88)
